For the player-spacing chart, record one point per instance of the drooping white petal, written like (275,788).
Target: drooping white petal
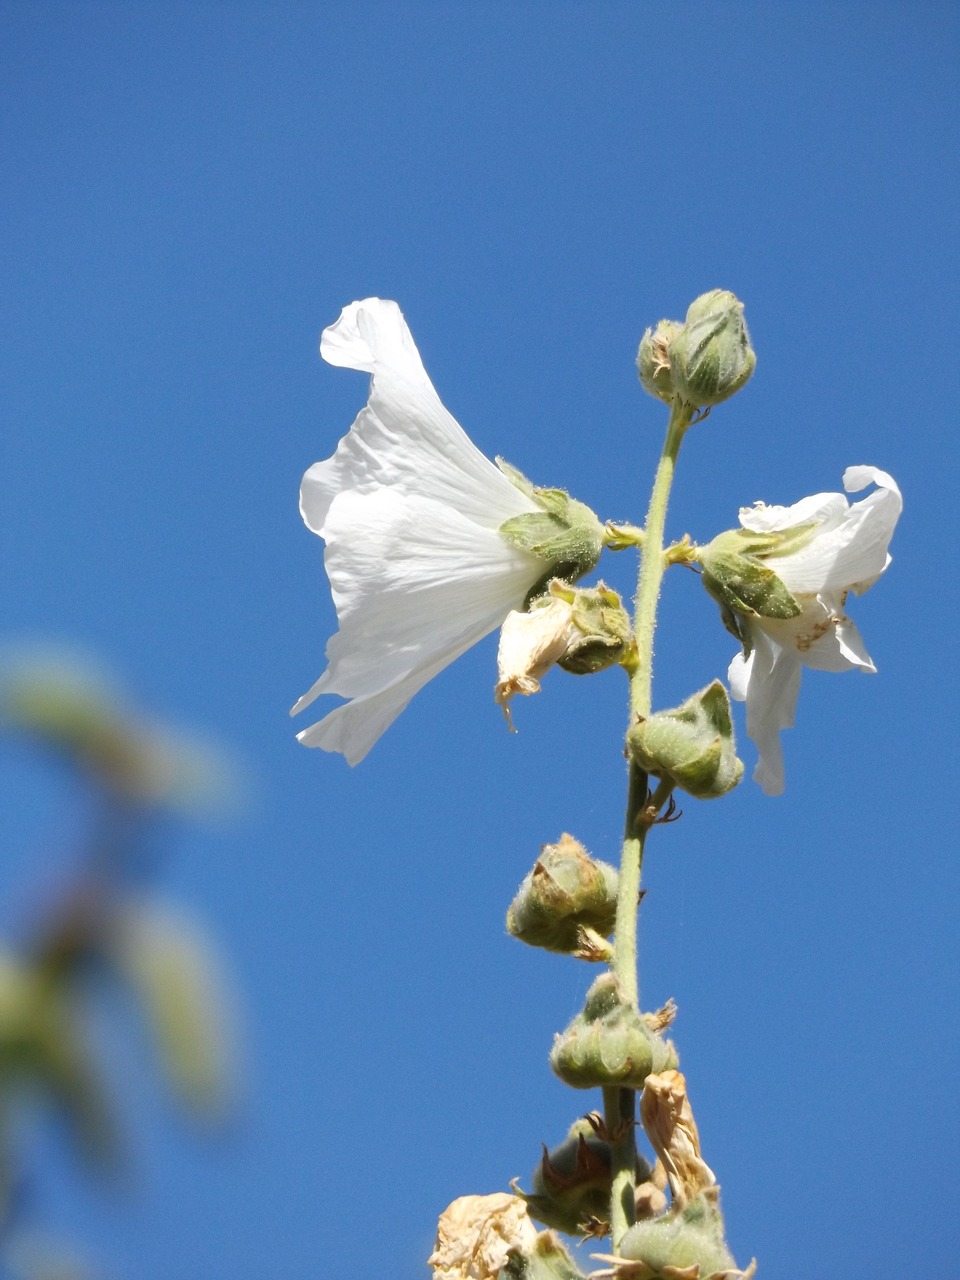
(769,682)
(355,727)
(851,552)
(404,438)
(415,584)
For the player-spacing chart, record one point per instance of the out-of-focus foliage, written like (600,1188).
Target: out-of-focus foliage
(102,931)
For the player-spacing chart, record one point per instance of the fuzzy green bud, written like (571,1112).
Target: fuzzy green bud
(653,360)
(571,1184)
(547,1259)
(564,533)
(692,1238)
(609,1043)
(691,745)
(566,892)
(711,357)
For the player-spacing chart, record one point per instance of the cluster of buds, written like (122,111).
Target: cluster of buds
(702,361)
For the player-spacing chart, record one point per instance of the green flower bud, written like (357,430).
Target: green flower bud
(604,635)
(566,891)
(691,745)
(571,1184)
(692,1238)
(564,533)
(546,1260)
(711,357)
(653,360)
(609,1043)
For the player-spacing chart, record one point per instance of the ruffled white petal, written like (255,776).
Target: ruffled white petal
(404,438)
(850,552)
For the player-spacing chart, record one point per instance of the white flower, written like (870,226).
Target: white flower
(845,551)
(410,510)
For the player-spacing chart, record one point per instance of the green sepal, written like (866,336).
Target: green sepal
(609,1043)
(694,1237)
(548,1259)
(691,746)
(746,586)
(564,533)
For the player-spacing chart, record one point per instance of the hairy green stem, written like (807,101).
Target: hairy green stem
(641,809)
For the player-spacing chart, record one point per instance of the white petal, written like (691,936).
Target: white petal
(415,585)
(404,437)
(769,681)
(853,552)
(824,509)
(840,648)
(355,727)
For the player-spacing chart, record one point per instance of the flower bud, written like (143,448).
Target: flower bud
(653,360)
(566,891)
(692,746)
(609,1043)
(572,1182)
(667,1246)
(548,1259)
(711,357)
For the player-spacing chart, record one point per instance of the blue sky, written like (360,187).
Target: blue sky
(193,193)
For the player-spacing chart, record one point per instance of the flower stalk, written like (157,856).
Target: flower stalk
(620,1105)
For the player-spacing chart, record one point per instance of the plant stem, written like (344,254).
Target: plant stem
(618,1114)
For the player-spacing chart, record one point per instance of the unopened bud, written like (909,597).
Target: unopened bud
(572,1182)
(711,357)
(653,360)
(692,745)
(609,1043)
(566,892)
(689,1244)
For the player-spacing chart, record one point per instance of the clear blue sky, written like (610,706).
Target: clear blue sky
(192,193)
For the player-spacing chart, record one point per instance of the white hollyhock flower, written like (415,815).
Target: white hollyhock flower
(843,550)
(410,511)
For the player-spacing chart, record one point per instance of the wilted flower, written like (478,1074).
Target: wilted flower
(668,1120)
(783,581)
(475,1234)
(412,514)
